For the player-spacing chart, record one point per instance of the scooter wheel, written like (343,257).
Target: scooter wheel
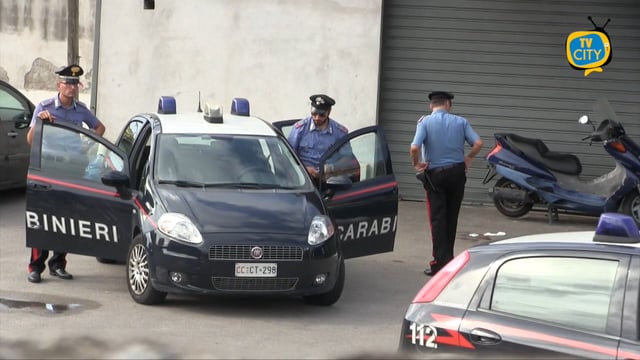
(511,208)
(631,206)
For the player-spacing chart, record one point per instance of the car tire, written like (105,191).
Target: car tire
(331,297)
(511,208)
(139,274)
(631,206)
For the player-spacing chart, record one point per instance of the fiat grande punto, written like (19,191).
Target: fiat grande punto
(211,203)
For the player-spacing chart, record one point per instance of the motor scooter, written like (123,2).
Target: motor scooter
(531,174)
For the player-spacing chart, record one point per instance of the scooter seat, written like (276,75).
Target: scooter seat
(537,150)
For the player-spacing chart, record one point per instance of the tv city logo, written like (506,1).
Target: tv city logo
(589,50)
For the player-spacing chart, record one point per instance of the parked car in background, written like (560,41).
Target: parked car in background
(558,295)
(16,111)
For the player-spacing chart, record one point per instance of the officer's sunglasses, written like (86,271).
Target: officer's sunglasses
(320,114)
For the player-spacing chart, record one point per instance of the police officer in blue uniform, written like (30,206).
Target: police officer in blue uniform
(437,154)
(62,107)
(311,137)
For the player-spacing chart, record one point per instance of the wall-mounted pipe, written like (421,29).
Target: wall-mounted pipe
(96,57)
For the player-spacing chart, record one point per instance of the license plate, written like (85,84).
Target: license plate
(256,270)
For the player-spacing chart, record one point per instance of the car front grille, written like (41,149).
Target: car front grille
(254,284)
(243,252)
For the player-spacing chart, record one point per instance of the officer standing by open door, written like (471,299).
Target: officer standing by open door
(62,107)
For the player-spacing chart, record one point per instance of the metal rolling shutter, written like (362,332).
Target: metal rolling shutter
(505,62)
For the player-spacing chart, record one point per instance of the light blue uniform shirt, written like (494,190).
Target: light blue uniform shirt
(442,136)
(77,114)
(310,143)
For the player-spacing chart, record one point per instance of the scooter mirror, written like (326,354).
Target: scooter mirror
(584,119)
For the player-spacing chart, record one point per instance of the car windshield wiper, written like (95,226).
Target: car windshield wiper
(264,186)
(248,185)
(183,183)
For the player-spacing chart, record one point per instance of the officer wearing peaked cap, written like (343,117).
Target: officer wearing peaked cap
(441,95)
(70,73)
(321,102)
(63,107)
(437,153)
(312,136)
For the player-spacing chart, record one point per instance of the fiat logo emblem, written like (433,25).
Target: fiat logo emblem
(256,252)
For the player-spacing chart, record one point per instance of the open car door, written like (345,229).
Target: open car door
(68,208)
(361,192)
(285,126)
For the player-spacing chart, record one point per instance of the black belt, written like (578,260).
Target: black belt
(443,168)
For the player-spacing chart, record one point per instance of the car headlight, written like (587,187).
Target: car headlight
(179,227)
(320,230)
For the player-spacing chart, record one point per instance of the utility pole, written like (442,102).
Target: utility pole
(73,54)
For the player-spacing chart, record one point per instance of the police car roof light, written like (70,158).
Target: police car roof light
(617,228)
(167,105)
(240,106)
(213,113)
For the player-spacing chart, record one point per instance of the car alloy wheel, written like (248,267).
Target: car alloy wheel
(139,274)
(138,269)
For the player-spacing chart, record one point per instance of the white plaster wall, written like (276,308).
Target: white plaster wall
(37,28)
(276,53)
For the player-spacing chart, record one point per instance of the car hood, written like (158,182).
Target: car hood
(245,211)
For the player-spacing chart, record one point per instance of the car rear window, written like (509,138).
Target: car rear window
(573,292)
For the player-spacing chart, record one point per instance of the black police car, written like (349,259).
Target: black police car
(210,203)
(16,111)
(559,295)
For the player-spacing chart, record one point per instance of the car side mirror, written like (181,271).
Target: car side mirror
(120,181)
(340,182)
(334,183)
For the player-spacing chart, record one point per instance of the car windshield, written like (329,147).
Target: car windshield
(254,162)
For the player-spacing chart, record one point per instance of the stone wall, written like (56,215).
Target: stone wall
(33,34)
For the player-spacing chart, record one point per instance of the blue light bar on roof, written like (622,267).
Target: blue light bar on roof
(617,228)
(167,105)
(240,106)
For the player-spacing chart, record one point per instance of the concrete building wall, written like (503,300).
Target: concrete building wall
(276,53)
(33,41)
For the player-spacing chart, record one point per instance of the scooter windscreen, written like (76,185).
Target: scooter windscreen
(609,127)
(602,109)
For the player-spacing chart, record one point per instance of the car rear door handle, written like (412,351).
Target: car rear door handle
(12,134)
(484,337)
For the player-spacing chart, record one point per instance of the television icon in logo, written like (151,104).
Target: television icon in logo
(589,50)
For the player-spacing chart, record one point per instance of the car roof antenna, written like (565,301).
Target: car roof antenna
(199,108)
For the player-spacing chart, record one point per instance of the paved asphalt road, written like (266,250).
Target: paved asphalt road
(98,319)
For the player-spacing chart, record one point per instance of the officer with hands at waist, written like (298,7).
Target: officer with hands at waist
(62,107)
(313,136)
(438,150)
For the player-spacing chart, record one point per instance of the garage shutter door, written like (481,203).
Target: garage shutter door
(505,62)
